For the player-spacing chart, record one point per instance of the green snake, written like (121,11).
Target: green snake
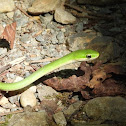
(79,55)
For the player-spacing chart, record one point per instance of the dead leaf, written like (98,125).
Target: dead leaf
(107,80)
(73,83)
(98,80)
(9,34)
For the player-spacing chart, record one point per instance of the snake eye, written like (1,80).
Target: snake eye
(88,56)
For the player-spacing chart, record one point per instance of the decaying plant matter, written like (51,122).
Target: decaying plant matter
(97,80)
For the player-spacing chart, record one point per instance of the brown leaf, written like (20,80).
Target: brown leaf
(107,80)
(98,80)
(109,87)
(73,83)
(9,34)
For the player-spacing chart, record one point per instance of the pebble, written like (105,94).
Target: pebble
(13,99)
(54,39)
(3,51)
(43,6)
(72,109)
(9,106)
(10,15)
(33,89)
(79,27)
(60,37)
(40,38)
(29,119)
(60,119)
(3,101)
(15,109)
(25,38)
(6,6)
(64,17)
(28,98)
(20,19)
(46,19)
(46,92)
(3,110)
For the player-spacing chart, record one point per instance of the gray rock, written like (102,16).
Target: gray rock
(79,27)
(64,17)
(106,108)
(44,92)
(20,19)
(46,19)
(54,38)
(15,109)
(29,119)
(40,38)
(25,38)
(60,119)
(60,37)
(53,26)
(105,46)
(9,106)
(13,99)
(72,109)
(80,40)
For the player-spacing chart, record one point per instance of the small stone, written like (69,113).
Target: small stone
(25,38)
(60,119)
(3,101)
(40,38)
(54,39)
(20,19)
(64,17)
(32,89)
(10,15)
(18,78)
(15,109)
(3,110)
(13,99)
(46,19)
(9,106)
(6,6)
(60,37)
(28,99)
(45,92)
(72,108)
(79,27)
(43,6)
(3,51)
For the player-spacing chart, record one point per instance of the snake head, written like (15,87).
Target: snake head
(85,55)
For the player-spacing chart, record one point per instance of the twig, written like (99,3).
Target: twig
(83,11)
(12,63)
(17,61)
(38,33)
(2,69)
(23,11)
(43,60)
(74,7)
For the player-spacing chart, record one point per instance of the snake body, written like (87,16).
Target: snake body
(79,55)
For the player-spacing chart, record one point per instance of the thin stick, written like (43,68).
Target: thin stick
(23,11)
(44,60)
